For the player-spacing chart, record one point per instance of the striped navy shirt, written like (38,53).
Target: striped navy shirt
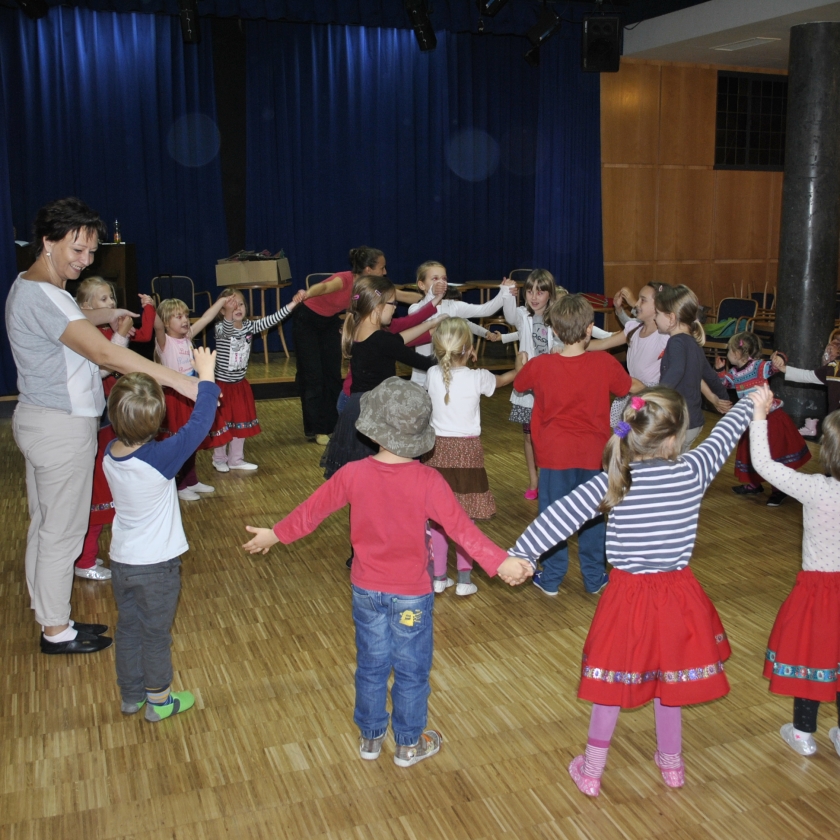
(233,346)
(654,527)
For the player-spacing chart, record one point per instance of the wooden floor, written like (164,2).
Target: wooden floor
(266,644)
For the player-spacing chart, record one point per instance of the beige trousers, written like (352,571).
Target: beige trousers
(59,450)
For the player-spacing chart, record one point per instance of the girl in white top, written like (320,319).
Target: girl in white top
(535,338)
(804,647)
(174,348)
(431,281)
(456,391)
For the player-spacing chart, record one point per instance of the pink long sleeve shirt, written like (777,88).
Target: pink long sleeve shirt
(389,507)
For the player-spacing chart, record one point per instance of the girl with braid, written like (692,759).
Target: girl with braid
(456,390)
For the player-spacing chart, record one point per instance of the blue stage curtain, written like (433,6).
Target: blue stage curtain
(356,137)
(117,110)
(567,220)
(8,272)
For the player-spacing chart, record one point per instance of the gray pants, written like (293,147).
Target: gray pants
(147,597)
(59,449)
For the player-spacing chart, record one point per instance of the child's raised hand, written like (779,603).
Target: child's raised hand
(511,284)
(299,296)
(204,362)
(762,398)
(124,325)
(778,361)
(146,300)
(515,570)
(720,364)
(722,405)
(492,335)
(262,540)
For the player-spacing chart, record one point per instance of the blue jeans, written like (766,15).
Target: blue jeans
(393,632)
(554,485)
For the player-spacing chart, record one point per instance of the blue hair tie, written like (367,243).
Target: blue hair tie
(622,429)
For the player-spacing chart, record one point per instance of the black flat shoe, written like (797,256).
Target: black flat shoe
(92,629)
(83,643)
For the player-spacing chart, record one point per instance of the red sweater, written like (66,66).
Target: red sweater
(570,421)
(333,302)
(389,506)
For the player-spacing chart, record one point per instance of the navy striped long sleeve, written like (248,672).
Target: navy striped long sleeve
(654,527)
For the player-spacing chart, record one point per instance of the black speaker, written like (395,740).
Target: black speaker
(600,48)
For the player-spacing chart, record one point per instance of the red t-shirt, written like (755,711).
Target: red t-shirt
(570,421)
(333,302)
(389,506)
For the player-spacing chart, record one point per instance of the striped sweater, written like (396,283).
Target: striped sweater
(233,345)
(654,527)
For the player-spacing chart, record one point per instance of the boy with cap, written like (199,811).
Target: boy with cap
(391,497)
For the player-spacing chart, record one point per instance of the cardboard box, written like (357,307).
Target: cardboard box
(266,272)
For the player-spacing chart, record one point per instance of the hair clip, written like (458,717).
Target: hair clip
(377,292)
(637,403)
(622,429)
(741,342)
(355,297)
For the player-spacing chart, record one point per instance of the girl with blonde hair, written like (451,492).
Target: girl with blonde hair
(655,634)
(456,391)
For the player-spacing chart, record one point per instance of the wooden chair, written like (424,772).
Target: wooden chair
(165,286)
(743,310)
(519,275)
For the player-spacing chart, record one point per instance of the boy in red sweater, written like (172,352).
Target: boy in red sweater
(391,497)
(570,425)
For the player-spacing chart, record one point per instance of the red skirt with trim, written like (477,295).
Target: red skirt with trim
(102,502)
(803,654)
(654,635)
(178,411)
(787,447)
(238,409)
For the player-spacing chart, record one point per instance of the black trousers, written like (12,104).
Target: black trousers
(805,713)
(318,378)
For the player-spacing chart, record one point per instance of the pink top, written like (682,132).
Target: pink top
(389,506)
(333,302)
(177,354)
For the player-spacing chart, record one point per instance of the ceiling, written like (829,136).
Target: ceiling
(691,34)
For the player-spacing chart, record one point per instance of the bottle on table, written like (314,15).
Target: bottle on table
(117,238)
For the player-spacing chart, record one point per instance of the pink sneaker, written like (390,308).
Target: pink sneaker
(585,784)
(531,495)
(673,777)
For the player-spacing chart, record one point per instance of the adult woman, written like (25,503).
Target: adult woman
(58,352)
(317,334)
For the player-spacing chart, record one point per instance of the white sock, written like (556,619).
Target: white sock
(64,636)
(799,735)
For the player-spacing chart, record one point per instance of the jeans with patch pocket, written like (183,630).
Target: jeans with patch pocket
(393,632)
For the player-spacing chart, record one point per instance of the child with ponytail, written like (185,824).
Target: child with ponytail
(684,365)
(458,456)
(655,634)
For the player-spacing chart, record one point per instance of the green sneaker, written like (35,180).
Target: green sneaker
(131,708)
(179,701)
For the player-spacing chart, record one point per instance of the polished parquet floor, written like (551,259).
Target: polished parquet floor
(266,644)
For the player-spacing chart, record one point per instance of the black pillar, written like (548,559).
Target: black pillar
(810,230)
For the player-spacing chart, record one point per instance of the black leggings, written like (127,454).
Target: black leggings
(805,713)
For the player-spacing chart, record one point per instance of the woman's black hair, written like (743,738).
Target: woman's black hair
(66,215)
(362,258)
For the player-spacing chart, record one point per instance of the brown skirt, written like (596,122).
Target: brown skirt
(461,462)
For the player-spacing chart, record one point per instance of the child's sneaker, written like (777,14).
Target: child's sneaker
(131,708)
(201,488)
(369,748)
(427,745)
(538,583)
(188,495)
(834,737)
(179,701)
(443,585)
(464,589)
(794,739)
(748,489)
(243,465)
(672,776)
(776,498)
(585,784)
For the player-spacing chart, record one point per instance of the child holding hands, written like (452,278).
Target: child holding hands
(148,537)
(391,496)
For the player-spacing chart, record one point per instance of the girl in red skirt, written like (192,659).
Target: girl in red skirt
(458,456)
(748,372)
(174,349)
(803,654)
(97,293)
(234,335)
(655,635)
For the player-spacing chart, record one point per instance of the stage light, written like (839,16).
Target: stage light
(547,24)
(34,9)
(190,31)
(418,15)
(490,8)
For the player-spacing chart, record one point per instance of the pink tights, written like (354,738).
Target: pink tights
(233,453)
(440,550)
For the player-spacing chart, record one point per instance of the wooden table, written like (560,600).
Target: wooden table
(262,288)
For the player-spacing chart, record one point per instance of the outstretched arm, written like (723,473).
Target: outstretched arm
(209,315)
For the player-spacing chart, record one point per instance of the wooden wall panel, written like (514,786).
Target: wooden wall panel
(697,276)
(629,212)
(630,114)
(731,278)
(686,201)
(687,127)
(775,213)
(742,220)
(633,276)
